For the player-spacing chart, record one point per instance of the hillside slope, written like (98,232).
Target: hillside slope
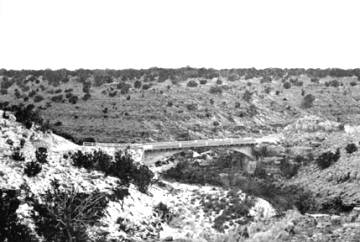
(183,104)
(167,210)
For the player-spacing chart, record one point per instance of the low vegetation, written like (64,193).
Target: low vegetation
(65,215)
(351,148)
(32,168)
(326,159)
(122,167)
(10,227)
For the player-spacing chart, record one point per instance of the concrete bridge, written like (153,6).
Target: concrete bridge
(151,152)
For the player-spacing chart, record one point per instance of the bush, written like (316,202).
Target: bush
(247,96)
(289,169)
(163,211)
(314,80)
(82,160)
(17,155)
(203,81)
(86,97)
(22,143)
(86,87)
(233,77)
(146,86)
(327,158)
(6,83)
(308,101)
(191,106)
(32,93)
(65,215)
(123,168)
(334,83)
(41,155)
(353,83)
(219,81)
(192,83)
(38,98)
(57,98)
(58,123)
(73,99)
(287,85)
(26,115)
(142,178)
(123,87)
(351,148)
(32,168)
(216,90)
(137,84)
(10,227)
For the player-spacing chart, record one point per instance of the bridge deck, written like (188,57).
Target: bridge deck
(180,144)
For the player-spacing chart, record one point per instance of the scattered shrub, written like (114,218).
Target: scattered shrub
(287,85)
(119,193)
(353,83)
(86,97)
(127,171)
(216,90)
(41,155)
(315,80)
(57,98)
(336,205)
(192,106)
(247,96)
(146,86)
(219,81)
(351,148)
(192,83)
(163,211)
(58,123)
(86,87)
(137,84)
(123,87)
(10,142)
(32,168)
(6,83)
(265,79)
(10,227)
(32,93)
(17,93)
(73,99)
(64,215)
(307,101)
(26,115)
(333,83)
(17,155)
(233,77)
(123,168)
(22,143)
(112,94)
(289,169)
(327,158)
(38,98)
(203,81)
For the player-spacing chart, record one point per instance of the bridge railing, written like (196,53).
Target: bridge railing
(178,144)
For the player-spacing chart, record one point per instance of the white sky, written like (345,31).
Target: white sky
(38,34)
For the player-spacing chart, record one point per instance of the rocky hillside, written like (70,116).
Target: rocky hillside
(40,175)
(181,104)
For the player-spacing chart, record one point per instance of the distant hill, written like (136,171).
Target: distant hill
(181,104)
